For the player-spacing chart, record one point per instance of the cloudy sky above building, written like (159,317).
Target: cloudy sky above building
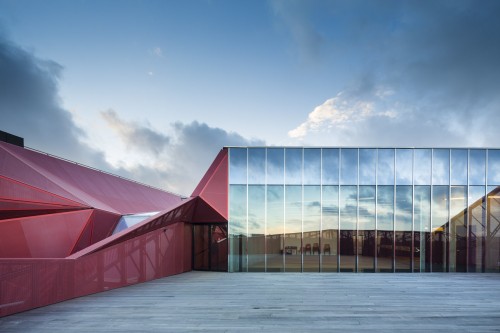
(153,89)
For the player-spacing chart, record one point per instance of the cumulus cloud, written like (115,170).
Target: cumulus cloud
(429,70)
(340,112)
(176,160)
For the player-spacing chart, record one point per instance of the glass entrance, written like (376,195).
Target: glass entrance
(210,247)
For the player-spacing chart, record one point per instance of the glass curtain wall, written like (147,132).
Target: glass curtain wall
(364,210)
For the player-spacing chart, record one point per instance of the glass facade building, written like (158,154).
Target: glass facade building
(363,209)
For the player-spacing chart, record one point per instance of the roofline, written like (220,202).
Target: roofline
(102,171)
(365,147)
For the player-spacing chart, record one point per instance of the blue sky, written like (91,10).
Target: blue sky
(152,89)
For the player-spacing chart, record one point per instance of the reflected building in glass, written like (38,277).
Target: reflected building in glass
(363,210)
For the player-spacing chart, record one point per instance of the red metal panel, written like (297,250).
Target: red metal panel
(14,168)
(29,283)
(103,224)
(215,192)
(13,190)
(182,212)
(95,188)
(208,175)
(204,213)
(46,236)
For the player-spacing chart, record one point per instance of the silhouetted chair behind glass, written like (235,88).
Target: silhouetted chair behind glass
(315,248)
(326,248)
(307,249)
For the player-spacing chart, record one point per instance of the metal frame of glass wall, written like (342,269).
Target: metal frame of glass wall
(295,209)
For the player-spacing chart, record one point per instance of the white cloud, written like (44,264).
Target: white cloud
(340,112)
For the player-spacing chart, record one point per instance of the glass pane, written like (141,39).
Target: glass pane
(477,228)
(275,166)
(256,165)
(367,166)
(237,165)
(459,167)
(422,228)
(458,229)
(493,167)
(330,166)
(385,222)
(237,228)
(477,167)
(349,167)
(348,215)
(330,227)
(439,227)
(403,226)
(385,167)
(312,166)
(312,226)
(422,172)
(404,166)
(441,167)
(275,228)
(293,166)
(256,228)
(293,228)
(493,231)
(366,232)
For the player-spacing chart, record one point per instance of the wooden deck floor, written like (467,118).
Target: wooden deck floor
(218,302)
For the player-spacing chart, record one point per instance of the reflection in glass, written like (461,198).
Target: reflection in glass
(477,228)
(312,166)
(422,169)
(348,216)
(256,165)
(477,167)
(441,167)
(493,167)
(458,167)
(312,225)
(330,218)
(366,229)
(237,165)
(385,223)
(404,166)
(349,167)
(237,228)
(256,228)
(493,230)
(385,167)
(458,229)
(275,228)
(293,228)
(293,166)
(440,227)
(367,165)
(403,227)
(330,166)
(422,221)
(275,166)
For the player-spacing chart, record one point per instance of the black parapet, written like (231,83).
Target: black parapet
(11,138)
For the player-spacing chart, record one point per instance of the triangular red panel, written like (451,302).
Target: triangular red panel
(213,188)
(14,190)
(204,213)
(103,224)
(12,166)
(45,236)
(85,238)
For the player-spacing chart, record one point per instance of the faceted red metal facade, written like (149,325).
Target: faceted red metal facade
(57,219)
